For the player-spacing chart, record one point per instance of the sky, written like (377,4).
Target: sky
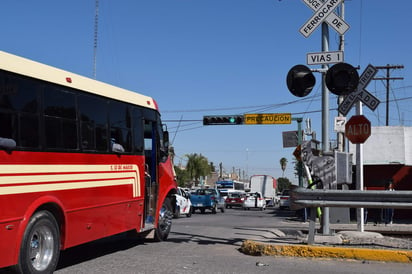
(217,57)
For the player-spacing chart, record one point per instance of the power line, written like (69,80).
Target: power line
(387,78)
(255,108)
(195,121)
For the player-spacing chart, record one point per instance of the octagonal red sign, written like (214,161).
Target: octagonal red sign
(358,129)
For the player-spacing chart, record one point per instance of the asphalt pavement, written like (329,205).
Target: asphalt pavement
(392,242)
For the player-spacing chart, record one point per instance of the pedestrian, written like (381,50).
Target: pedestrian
(389,211)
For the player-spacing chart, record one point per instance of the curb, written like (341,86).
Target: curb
(259,249)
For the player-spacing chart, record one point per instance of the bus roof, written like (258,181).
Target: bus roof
(23,66)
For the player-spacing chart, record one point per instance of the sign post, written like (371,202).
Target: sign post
(323,15)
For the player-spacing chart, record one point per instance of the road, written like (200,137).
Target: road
(206,243)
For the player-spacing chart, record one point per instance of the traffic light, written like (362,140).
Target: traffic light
(342,79)
(223,120)
(300,80)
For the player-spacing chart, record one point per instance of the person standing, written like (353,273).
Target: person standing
(389,211)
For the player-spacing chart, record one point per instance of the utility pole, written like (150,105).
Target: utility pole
(341,135)
(387,78)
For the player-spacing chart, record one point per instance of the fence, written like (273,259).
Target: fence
(301,198)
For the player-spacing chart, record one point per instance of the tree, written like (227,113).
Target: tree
(283,163)
(283,183)
(197,166)
(182,177)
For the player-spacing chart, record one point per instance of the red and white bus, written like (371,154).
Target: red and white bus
(79,160)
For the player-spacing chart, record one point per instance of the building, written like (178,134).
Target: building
(387,154)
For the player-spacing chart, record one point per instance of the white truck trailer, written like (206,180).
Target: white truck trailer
(266,185)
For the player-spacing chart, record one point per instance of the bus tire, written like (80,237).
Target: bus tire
(164,224)
(40,247)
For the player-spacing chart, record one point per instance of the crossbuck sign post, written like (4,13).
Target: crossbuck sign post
(323,12)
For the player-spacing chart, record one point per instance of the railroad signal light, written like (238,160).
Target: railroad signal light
(342,79)
(300,80)
(223,120)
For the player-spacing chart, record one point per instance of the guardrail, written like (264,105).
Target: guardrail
(302,197)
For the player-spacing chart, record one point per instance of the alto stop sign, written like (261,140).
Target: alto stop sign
(358,129)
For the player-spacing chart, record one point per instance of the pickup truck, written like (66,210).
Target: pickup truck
(208,198)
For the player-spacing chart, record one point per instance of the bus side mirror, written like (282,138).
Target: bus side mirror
(166,139)
(164,150)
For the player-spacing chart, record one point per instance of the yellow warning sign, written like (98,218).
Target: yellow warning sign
(267,118)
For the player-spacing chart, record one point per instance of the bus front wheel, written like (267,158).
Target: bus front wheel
(40,247)
(164,223)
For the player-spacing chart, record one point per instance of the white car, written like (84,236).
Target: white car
(183,204)
(254,200)
(284,202)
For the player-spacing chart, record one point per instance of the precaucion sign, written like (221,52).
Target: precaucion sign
(267,118)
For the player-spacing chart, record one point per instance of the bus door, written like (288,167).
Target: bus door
(151,169)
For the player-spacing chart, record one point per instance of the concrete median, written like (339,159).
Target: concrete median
(317,251)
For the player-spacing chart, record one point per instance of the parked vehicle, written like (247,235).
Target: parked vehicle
(183,203)
(266,185)
(209,199)
(284,199)
(235,199)
(254,200)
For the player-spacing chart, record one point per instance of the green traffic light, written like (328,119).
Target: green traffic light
(232,119)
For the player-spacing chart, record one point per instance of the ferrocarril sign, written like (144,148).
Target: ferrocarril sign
(319,16)
(267,118)
(336,22)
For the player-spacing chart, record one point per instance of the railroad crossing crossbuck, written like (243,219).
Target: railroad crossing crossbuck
(361,93)
(323,12)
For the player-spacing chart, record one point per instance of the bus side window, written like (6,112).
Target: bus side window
(60,118)
(138,132)
(93,123)
(19,110)
(120,127)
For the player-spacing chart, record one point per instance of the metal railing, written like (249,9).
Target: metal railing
(301,198)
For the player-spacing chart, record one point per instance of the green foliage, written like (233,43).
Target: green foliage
(283,163)
(197,165)
(283,183)
(182,177)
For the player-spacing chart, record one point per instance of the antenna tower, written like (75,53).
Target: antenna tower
(96,24)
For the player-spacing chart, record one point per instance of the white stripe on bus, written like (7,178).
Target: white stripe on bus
(16,179)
